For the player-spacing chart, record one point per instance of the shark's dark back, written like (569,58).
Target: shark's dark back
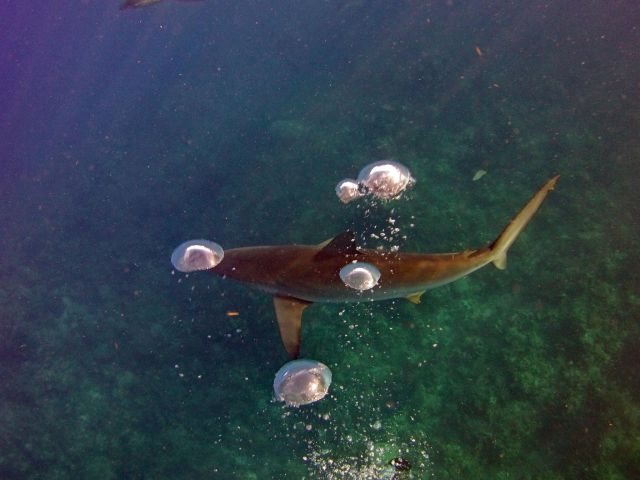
(312,273)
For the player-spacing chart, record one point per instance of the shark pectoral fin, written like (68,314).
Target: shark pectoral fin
(289,313)
(415,297)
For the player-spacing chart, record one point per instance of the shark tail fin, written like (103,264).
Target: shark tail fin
(501,245)
(500,261)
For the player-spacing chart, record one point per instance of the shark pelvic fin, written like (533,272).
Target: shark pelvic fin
(415,298)
(342,244)
(289,314)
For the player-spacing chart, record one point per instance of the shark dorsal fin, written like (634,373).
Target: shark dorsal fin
(326,242)
(289,314)
(342,244)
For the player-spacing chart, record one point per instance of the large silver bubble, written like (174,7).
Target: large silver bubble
(196,255)
(301,382)
(360,275)
(348,190)
(385,179)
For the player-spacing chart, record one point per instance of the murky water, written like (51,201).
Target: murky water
(127,132)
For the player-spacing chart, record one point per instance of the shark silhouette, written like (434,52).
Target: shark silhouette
(144,3)
(299,275)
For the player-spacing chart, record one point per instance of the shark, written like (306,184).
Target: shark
(299,275)
(144,3)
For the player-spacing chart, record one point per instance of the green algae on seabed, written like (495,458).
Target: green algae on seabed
(113,367)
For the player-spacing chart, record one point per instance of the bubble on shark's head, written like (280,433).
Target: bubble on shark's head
(196,255)
(301,382)
(348,190)
(360,275)
(385,179)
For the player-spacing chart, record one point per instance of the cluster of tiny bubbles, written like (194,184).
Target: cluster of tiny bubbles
(373,464)
(182,374)
(380,223)
(382,228)
(358,439)
(359,431)
(301,382)
(194,255)
(353,436)
(364,431)
(360,276)
(384,179)
(350,434)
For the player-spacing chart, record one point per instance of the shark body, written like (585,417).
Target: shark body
(299,275)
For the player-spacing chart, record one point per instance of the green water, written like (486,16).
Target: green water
(126,133)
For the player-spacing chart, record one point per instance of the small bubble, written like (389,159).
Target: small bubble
(348,190)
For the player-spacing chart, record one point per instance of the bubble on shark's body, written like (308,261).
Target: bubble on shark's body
(301,382)
(348,190)
(196,255)
(385,179)
(360,275)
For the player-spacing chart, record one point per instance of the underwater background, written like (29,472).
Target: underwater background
(124,133)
